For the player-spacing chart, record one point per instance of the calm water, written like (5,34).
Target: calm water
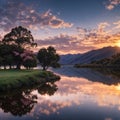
(81,94)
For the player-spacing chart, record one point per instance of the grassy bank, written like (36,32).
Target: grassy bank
(16,79)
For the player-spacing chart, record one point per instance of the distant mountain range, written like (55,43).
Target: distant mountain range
(89,56)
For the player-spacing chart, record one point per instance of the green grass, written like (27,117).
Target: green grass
(12,75)
(13,79)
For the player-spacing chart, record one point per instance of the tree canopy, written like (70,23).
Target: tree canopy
(19,36)
(14,45)
(15,51)
(48,57)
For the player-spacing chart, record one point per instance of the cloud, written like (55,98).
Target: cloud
(14,13)
(65,44)
(117,24)
(58,23)
(112,4)
(85,39)
(102,26)
(47,107)
(68,89)
(28,14)
(94,36)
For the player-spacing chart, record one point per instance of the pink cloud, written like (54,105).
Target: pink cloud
(84,40)
(112,4)
(117,24)
(28,16)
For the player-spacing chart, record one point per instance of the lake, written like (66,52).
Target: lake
(81,94)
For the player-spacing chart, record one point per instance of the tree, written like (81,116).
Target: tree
(19,36)
(9,60)
(6,53)
(1,61)
(47,88)
(30,63)
(29,59)
(17,56)
(22,39)
(47,57)
(18,104)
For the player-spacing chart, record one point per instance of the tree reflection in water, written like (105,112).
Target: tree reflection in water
(48,89)
(22,102)
(17,104)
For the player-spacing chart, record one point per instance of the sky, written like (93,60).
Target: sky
(71,26)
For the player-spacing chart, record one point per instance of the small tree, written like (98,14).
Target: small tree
(47,57)
(17,57)
(29,59)
(30,63)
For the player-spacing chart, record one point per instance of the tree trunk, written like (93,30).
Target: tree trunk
(44,68)
(4,67)
(18,66)
(10,67)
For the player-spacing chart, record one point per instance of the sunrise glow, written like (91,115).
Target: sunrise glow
(118,43)
(59,59)
(73,27)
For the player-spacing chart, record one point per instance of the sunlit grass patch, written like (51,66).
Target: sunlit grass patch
(19,78)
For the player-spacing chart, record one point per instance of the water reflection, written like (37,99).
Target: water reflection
(105,76)
(49,89)
(81,94)
(22,102)
(17,104)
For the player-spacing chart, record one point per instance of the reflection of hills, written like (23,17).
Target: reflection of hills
(22,102)
(92,75)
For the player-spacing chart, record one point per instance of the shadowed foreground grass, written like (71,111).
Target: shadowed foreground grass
(15,79)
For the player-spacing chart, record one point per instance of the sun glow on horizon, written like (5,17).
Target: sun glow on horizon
(118,87)
(118,43)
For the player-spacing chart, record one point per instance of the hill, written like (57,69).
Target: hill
(68,58)
(89,56)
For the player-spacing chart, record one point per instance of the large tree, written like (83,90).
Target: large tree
(6,55)
(19,36)
(47,57)
(22,39)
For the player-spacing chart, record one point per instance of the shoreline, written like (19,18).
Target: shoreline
(18,79)
(97,66)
